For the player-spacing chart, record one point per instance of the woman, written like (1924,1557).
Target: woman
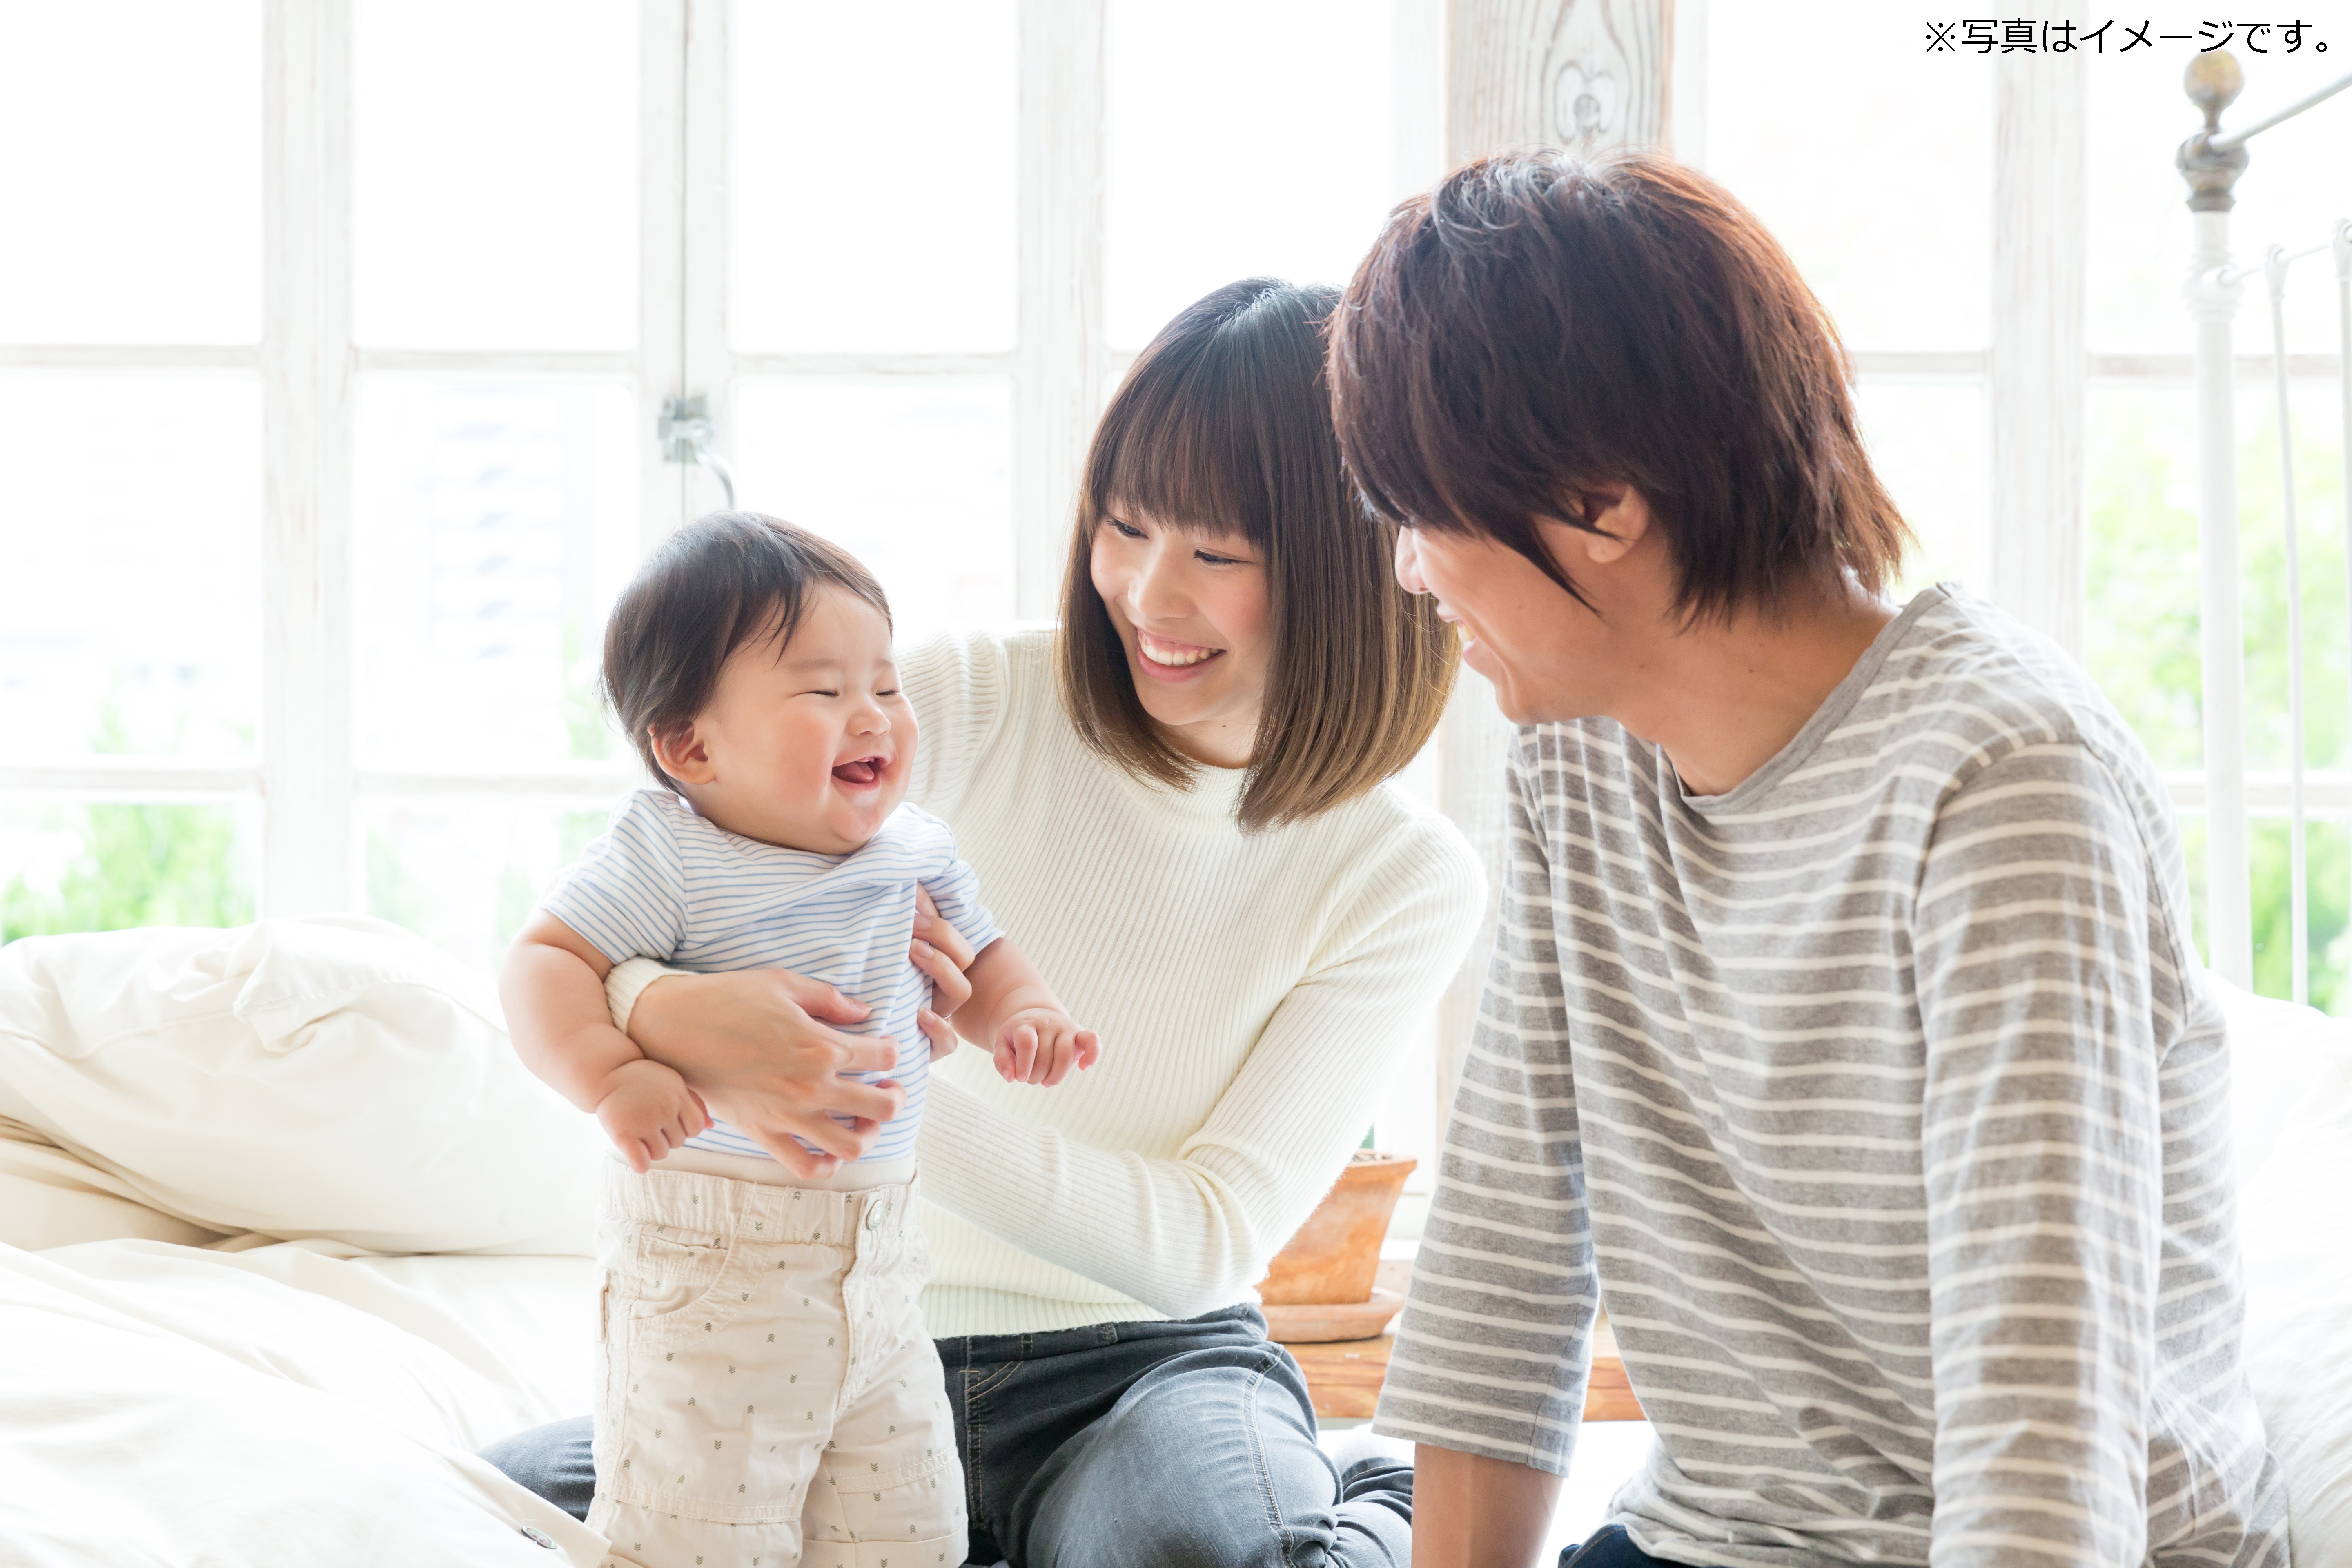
(1176,800)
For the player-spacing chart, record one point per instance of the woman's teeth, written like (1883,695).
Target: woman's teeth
(1173,653)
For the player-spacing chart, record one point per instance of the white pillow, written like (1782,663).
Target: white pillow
(328,1077)
(2280,1055)
(2292,1070)
(124,1442)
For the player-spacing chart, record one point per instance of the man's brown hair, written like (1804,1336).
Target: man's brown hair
(1539,332)
(726,579)
(1223,427)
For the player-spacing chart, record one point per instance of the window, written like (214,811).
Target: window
(349,395)
(131,466)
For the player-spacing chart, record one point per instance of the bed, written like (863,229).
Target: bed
(286,1234)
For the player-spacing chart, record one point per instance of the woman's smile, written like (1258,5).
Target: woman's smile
(1169,659)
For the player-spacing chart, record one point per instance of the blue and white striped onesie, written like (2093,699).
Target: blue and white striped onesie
(664,883)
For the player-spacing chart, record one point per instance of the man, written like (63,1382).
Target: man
(1844,1032)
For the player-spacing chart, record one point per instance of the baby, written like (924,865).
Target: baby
(764,1375)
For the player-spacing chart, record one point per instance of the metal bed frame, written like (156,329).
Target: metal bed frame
(2212,163)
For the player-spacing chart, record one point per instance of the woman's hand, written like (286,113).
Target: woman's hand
(941,952)
(749,1043)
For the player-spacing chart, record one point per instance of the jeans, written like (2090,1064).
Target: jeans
(1610,1548)
(1157,1444)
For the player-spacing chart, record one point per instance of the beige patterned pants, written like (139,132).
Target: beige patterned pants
(767,1395)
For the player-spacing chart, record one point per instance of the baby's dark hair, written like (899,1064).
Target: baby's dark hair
(726,579)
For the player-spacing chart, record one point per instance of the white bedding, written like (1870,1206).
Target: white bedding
(164,1405)
(246,1383)
(286,1234)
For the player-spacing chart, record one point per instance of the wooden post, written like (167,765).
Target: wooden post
(1586,75)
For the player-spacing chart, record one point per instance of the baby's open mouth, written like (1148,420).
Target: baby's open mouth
(861,769)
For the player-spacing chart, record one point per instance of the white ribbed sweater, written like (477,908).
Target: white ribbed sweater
(1254,992)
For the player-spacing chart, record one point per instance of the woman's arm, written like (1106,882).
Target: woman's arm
(1192,1233)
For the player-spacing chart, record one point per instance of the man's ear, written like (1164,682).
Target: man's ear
(683,755)
(1612,528)
(1619,525)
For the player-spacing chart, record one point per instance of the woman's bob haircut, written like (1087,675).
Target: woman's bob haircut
(1540,332)
(1223,428)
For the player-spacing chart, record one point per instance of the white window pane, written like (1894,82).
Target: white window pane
(130,523)
(916,481)
(496,521)
(2297,182)
(871,176)
(466,875)
(133,132)
(1926,443)
(66,867)
(1884,196)
(495,174)
(1244,138)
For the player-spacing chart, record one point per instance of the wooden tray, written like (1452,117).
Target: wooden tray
(1322,1324)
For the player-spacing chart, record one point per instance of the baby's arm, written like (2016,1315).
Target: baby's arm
(1015,1015)
(553,989)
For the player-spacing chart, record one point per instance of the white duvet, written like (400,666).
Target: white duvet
(286,1233)
(209,1143)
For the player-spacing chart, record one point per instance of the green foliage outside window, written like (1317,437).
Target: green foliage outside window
(138,866)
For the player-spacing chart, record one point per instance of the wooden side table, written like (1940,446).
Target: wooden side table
(1344,1379)
(1344,1376)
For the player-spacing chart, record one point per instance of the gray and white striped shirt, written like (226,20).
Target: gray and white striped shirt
(1883,1101)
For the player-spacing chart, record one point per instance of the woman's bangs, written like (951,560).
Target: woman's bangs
(1187,453)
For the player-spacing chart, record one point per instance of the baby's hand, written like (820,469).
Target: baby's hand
(647,1110)
(1040,1045)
